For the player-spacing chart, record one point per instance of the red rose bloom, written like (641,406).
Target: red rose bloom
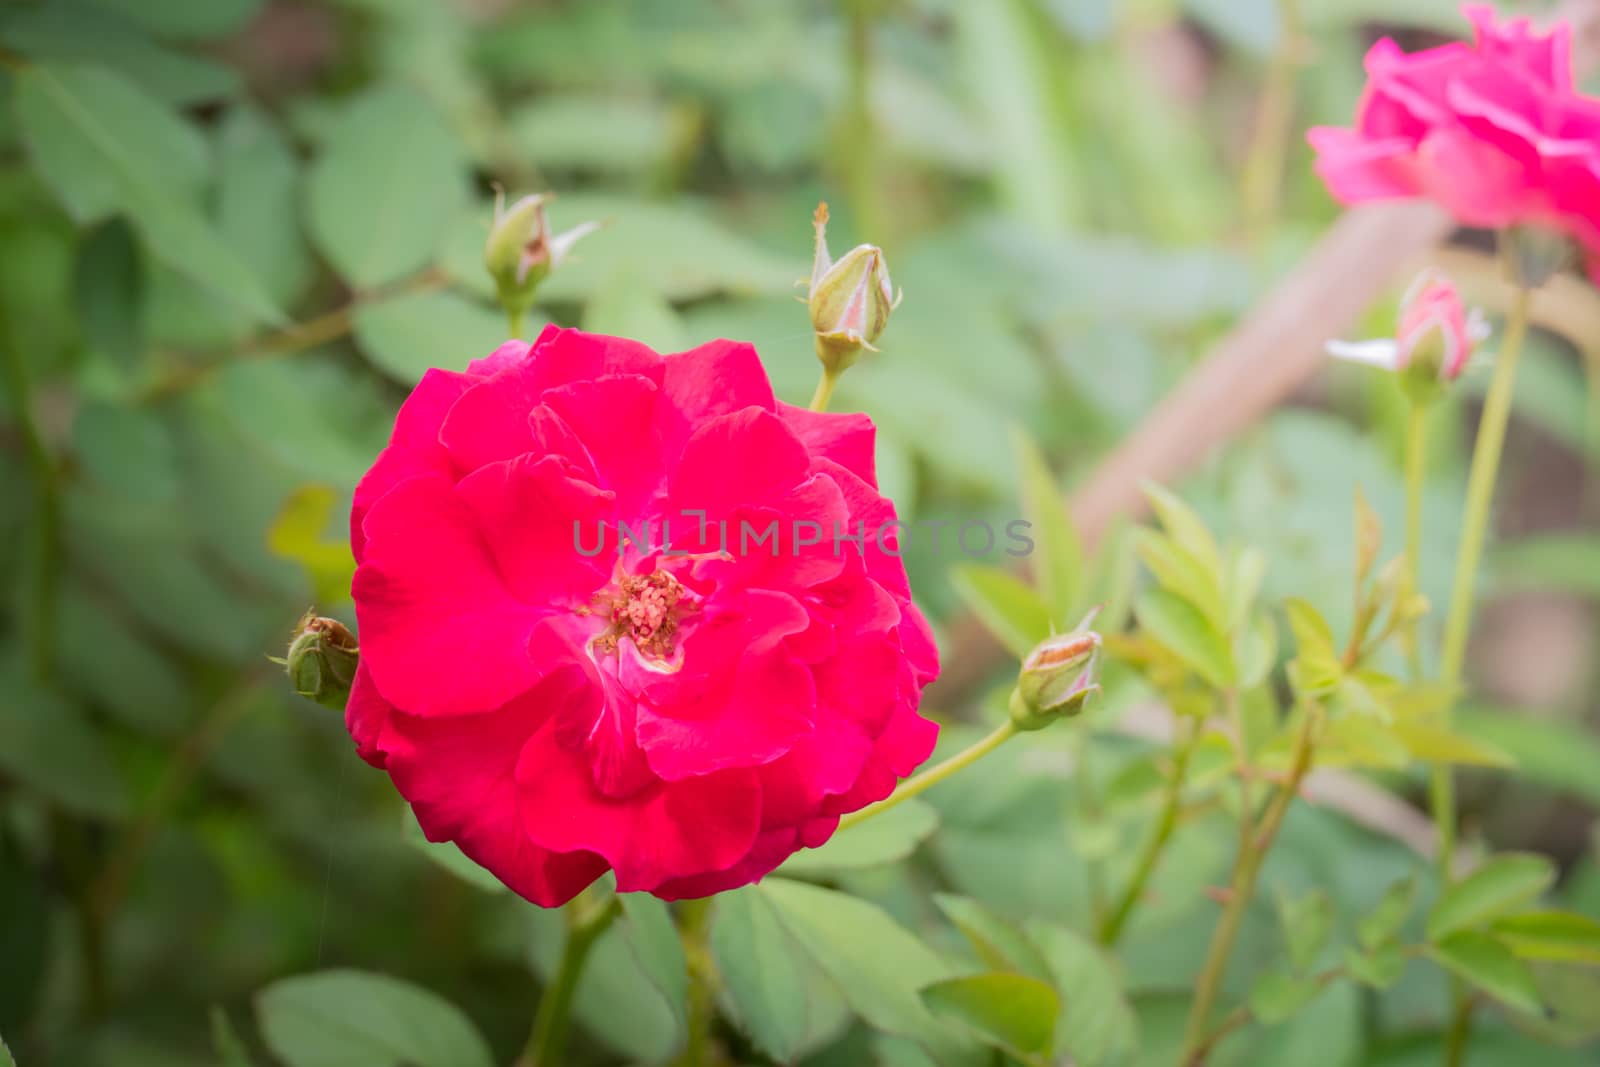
(605,620)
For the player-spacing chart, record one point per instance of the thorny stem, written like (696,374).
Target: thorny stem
(587,919)
(1111,929)
(1474,525)
(1246,869)
(935,774)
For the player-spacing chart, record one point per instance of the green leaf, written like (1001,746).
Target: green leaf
(1318,668)
(1385,921)
(224,1038)
(558,131)
(299,533)
(1014,1011)
(880,840)
(340,1017)
(1380,967)
(877,964)
(108,293)
(626,307)
(89,131)
(185,20)
(1276,996)
(7,1061)
(648,929)
(1307,924)
(1097,1025)
(128,451)
(448,856)
(762,973)
(1180,626)
(1489,965)
(1178,571)
(1565,563)
(386,189)
(258,192)
(1000,945)
(405,335)
(1552,752)
(1057,560)
(104,146)
(1439,744)
(46,743)
(1187,530)
(1551,935)
(1007,606)
(1502,885)
(1357,740)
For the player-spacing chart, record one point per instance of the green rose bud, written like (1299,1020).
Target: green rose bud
(322,661)
(850,299)
(521,251)
(1057,679)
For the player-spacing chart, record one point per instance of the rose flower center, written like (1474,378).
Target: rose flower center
(646,609)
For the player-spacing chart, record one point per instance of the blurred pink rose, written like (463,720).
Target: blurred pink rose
(1492,131)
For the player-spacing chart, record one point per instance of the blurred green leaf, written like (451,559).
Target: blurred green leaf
(128,451)
(1502,885)
(1551,935)
(876,963)
(1012,1010)
(1384,923)
(558,131)
(448,856)
(626,307)
(1379,967)
(762,972)
(1057,561)
(999,944)
(1307,924)
(882,839)
(651,935)
(1569,563)
(103,657)
(300,534)
(1562,755)
(224,1038)
(1007,606)
(337,1018)
(1180,627)
(46,743)
(1276,996)
(185,20)
(5,1055)
(108,293)
(79,32)
(383,193)
(1438,744)
(1489,965)
(104,146)
(91,132)
(1097,1024)
(405,335)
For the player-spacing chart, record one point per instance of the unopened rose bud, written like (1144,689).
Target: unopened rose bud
(1435,338)
(322,661)
(521,251)
(1057,679)
(850,300)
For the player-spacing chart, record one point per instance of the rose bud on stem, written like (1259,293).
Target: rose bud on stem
(322,660)
(1057,678)
(521,252)
(850,301)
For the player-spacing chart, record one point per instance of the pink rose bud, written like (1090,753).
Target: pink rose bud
(850,299)
(521,251)
(1435,338)
(322,660)
(1057,678)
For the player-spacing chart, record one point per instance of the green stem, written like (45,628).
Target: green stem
(1111,929)
(515,318)
(1460,1032)
(1416,469)
(935,774)
(1263,169)
(860,144)
(1475,524)
(42,577)
(586,921)
(824,393)
(1246,869)
(694,922)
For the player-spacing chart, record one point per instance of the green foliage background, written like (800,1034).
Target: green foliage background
(234,233)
